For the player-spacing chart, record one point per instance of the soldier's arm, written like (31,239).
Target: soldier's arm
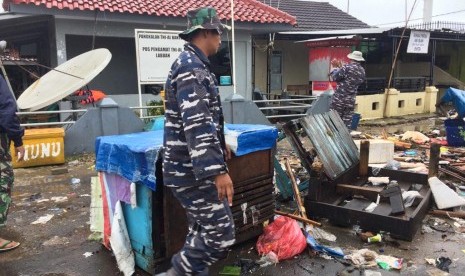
(339,74)
(201,134)
(9,121)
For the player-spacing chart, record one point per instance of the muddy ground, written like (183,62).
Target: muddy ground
(58,246)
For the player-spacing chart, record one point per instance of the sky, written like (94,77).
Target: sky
(381,12)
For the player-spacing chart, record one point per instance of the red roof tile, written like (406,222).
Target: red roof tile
(245,10)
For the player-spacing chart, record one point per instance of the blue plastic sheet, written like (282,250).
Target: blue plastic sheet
(457,97)
(244,139)
(131,156)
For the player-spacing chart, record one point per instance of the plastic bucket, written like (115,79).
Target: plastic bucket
(355,120)
(455,132)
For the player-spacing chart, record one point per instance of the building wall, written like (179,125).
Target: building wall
(397,104)
(295,63)
(120,77)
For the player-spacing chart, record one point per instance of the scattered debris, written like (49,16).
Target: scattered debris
(321,234)
(363,257)
(58,171)
(415,136)
(372,273)
(378,180)
(283,237)
(365,235)
(268,259)
(389,262)
(440,225)
(88,254)
(426,229)
(59,199)
(73,163)
(444,196)
(411,198)
(231,270)
(375,239)
(443,263)
(34,197)
(43,219)
(56,241)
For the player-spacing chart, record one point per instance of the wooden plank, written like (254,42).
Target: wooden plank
(368,192)
(305,220)
(459,214)
(364,157)
(295,188)
(434,160)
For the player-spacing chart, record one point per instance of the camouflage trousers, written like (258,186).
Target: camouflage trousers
(211,229)
(6,177)
(345,109)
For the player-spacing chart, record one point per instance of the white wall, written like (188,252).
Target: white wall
(112,29)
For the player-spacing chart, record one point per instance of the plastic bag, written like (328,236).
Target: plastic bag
(392,165)
(120,243)
(282,237)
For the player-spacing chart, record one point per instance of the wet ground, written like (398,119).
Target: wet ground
(58,247)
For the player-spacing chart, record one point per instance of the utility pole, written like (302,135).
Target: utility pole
(427,11)
(348,4)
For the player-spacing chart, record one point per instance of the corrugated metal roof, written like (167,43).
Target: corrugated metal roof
(341,32)
(332,141)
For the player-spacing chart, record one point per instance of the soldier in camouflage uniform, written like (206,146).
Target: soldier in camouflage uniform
(9,130)
(194,165)
(348,78)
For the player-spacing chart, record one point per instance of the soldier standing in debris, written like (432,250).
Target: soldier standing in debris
(195,154)
(10,130)
(348,78)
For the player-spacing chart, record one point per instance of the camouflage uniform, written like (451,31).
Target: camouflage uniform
(193,156)
(348,78)
(9,130)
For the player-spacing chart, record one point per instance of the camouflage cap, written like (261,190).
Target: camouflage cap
(203,18)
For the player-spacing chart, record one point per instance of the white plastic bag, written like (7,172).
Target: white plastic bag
(120,243)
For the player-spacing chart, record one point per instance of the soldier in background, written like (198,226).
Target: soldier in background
(195,153)
(348,78)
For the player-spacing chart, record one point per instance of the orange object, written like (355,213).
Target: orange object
(92,96)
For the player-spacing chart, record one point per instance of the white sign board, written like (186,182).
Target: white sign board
(418,42)
(156,50)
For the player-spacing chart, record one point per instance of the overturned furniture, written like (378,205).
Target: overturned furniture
(340,191)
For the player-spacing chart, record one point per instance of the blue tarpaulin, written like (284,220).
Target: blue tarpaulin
(244,139)
(133,156)
(457,97)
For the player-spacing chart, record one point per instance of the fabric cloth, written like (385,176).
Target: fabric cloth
(193,139)
(6,177)
(348,79)
(211,229)
(118,188)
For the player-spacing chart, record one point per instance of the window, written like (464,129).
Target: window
(221,62)
(276,78)
(418,102)
(375,106)
(401,104)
